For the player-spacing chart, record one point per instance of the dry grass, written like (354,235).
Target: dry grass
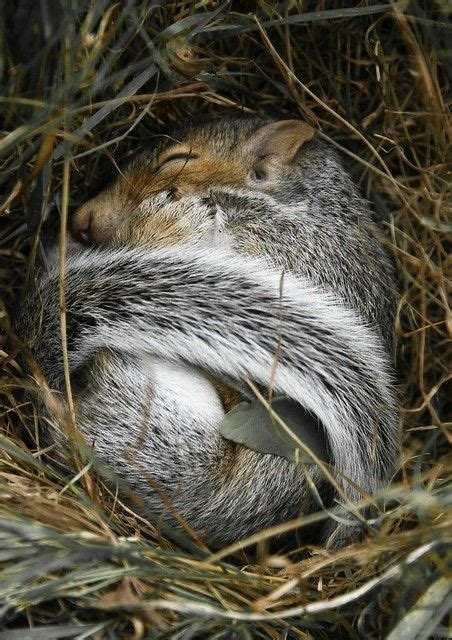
(84,84)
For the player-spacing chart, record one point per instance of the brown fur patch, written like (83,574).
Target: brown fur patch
(188,179)
(229,396)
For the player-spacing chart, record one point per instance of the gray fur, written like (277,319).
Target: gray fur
(143,319)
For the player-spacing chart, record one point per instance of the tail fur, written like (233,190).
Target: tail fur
(226,314)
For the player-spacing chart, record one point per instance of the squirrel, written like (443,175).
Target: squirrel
(229,249)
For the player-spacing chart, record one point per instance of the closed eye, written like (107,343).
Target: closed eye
(176,158)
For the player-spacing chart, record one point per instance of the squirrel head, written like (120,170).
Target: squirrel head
(191,162)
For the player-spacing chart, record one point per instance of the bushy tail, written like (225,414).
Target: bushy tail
(227,314)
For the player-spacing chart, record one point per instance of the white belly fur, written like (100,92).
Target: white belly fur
(187,387)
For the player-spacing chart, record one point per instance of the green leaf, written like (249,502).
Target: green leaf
(251,424)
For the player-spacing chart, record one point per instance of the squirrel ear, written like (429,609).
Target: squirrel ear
(282,139)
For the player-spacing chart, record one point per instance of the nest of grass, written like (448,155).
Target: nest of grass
(85,83)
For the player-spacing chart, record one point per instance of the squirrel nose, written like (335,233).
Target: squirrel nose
(81,225)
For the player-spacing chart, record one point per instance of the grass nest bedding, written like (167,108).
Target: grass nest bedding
(84,84)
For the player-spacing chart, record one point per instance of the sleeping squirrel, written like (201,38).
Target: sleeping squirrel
(230,250)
